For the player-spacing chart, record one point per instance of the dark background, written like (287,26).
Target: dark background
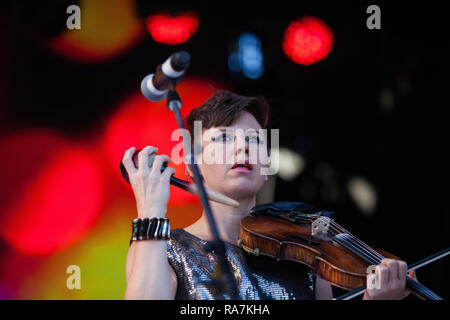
(329,112)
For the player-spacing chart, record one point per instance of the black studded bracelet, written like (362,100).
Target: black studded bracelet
(150,229)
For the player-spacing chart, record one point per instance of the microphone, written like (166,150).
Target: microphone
(182,184)
(155,86)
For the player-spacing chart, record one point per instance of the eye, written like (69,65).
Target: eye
(253,139)
(222,138)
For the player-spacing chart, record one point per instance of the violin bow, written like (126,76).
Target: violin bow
(435,257)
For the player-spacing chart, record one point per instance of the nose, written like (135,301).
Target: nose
(241,146)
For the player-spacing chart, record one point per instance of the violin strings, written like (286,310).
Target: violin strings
(356,242)
(419,288)
(336,229)
(366,250)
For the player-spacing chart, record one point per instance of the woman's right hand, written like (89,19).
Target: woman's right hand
(150,186)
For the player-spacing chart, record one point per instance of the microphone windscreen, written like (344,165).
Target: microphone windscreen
(149,91)
(180,60)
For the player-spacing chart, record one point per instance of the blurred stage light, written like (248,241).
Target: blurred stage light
(363,194)
(172,29)
(291,164)
(308,40)
(233,62)
(58,204)
(25,154)
(248,59)
(104,33)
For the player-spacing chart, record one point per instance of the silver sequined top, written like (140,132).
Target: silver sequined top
(257,278)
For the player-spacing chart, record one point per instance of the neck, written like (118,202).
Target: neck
(227,220)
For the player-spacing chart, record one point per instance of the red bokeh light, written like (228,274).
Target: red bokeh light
(172,29)
(307,40)
(58,188)
(24,154)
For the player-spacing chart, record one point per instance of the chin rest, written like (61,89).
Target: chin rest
(288,210)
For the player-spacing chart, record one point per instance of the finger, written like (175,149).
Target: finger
(157,164)
(143,158)
(372,281)
(394,281)
(128,162)
(392,265)
(393,270)
(165,176)
(383,275)
(402,269)
(412,274)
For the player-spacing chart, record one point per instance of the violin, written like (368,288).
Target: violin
(298,232)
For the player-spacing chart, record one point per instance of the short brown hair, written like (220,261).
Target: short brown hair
(223,107)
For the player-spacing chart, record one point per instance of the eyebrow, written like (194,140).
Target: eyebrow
(255,134)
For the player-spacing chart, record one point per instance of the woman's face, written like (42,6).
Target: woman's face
(233,157)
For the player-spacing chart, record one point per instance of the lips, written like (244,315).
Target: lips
(245,164)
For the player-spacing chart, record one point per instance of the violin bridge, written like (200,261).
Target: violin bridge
(320,226)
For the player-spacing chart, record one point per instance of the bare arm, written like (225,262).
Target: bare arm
(148,273)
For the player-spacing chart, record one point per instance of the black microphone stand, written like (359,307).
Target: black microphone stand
(223,277)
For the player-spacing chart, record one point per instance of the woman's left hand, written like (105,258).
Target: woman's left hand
(391,281)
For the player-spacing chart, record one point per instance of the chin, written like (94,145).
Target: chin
(239,189)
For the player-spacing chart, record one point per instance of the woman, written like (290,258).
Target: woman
(182,267)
